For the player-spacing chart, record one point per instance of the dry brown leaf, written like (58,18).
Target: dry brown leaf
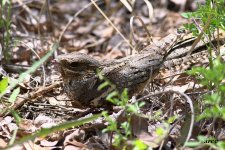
(26,127)
(139,125)
(182,88)
(71,147)
(3,144)
(113,55)
(42,119)
(76,144)
(32,146)
(48,143)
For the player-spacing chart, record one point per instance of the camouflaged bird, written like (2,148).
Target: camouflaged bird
(79,71)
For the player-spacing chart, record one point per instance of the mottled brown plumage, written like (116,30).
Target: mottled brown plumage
(79,71)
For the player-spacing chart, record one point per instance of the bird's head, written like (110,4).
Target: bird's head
(76,64)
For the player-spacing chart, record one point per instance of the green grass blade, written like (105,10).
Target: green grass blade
(34,67)
(62,126)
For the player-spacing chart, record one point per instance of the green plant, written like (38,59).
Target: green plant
(210,16)
(208,19)
(122,132)
(5,26)
(212,79)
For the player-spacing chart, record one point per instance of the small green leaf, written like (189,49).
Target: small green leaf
(172,119)
(139,145)
(221,144)
(160,131)
(132,108)
(202,138)
(193,144)
(112,94)
(141,104)
(103,85)
(3,84)
(112,97)
(14,95)
(16,116)
(186,15)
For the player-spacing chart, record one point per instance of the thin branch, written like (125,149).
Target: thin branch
(110,22)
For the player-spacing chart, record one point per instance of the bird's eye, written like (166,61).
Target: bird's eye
(82,65)
(78,65)
(74,64)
